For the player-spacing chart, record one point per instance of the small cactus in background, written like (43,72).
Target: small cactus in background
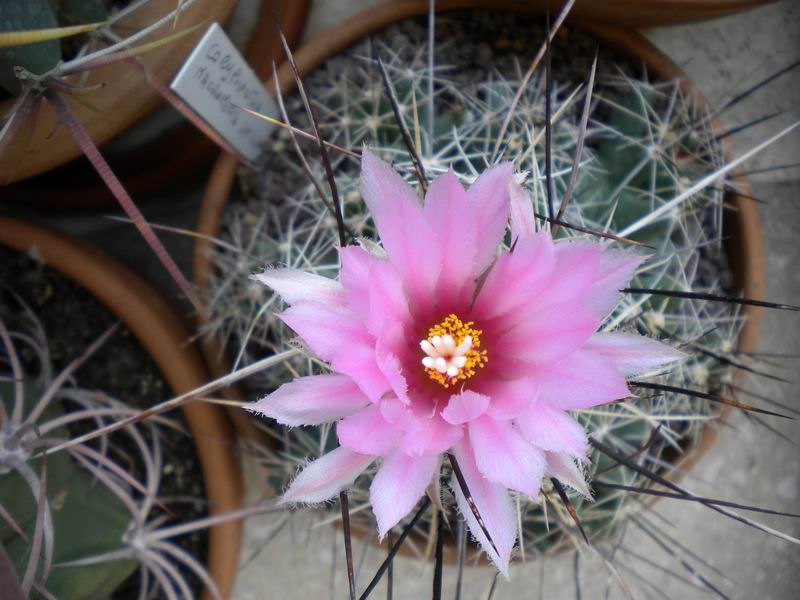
(77,522)
(39,58)
(645,143)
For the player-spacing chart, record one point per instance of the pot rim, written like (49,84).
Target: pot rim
(161,333)
(122,92)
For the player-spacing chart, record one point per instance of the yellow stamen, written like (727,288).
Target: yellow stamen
(475,357)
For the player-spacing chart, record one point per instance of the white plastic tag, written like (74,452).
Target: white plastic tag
(215,81)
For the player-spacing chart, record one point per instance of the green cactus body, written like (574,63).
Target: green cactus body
(27,15)
(78,504)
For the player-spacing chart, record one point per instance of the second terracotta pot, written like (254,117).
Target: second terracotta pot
(161,333)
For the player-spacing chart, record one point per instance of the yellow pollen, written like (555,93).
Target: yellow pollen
(457,330)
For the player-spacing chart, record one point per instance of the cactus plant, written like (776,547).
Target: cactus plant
(647,144)
(627,172)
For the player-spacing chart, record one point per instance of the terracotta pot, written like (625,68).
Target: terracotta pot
(744,243)
(163,336)
(150,168)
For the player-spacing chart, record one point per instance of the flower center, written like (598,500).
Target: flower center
(452,351)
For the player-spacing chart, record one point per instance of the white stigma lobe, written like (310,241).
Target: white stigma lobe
(443,355)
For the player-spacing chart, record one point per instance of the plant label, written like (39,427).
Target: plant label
(217,83)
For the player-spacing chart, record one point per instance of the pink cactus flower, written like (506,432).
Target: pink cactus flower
(444,342)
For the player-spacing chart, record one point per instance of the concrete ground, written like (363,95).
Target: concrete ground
(748,464)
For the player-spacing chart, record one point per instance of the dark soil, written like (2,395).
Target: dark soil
(72,319)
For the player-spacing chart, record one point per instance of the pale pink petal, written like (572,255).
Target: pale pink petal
(453,218)
(509,399)
(517,278)
(553,430)
(294,285)
(494,507)
(367,432)
(399,484)
(633,354)
(547,335)
(464,407)
(324,328)
(409,239)
(617,268)
(387,299)
(490,195)
(373,248)
(326,476)
(354,274)
(312,400)
(435,437)
(505,457)
(523,222)
(563,467)
(581,380)
(358,361)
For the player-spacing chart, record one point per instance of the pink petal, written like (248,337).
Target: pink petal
(367,432)
(399,484)
(494,507)
(387,300)
(408,238)
(354,274)
(547,335)
(490,195)
(553,430)
(505,457)
(391,368)
(453,218)
(312,400)
(509,399)
(464,407)
(576,271)
(632,354)
(563,467)
(326,476)
(294,285)
(581,380)
(403,416)
(517,278)
(523,222)
(435,437)
(358,361)
(617,268)
(324,328)
(393,338)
